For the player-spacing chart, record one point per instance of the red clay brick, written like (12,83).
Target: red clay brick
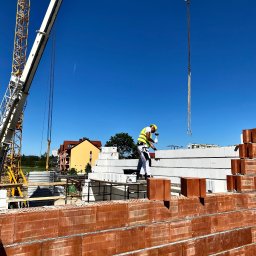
(7,227)
(139,213)
(36,225)
(245,183)
(190,187)
(219,222)
(211,204)
(77,220)
(254,234)
(99,244)
(250,250)
(65,246)
(225,202)
(111,216)
(201,247)
(244,150)
(248,166)
(25,250)
(180,230)
(190,207)
(172,250)
(251,200)
(188,249)
(235,166)
(157,234)
(158,189)
(247,136)
(252,150)
(174,207)
(158,211)
(152,252)
(253,133)
(167,190)
(202,188)
(230,183)
(130,239)
(151,189)
(201,226)
(240,201)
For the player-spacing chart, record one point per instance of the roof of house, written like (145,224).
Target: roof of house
(74,143)
(96,143)
(66,143)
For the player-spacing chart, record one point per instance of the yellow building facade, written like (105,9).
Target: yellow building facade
(82,154)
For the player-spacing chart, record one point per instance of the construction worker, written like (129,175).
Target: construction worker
(145,142)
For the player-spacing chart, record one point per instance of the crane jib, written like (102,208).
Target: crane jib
(14,99)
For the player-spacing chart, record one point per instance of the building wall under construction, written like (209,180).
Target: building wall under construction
(223,224)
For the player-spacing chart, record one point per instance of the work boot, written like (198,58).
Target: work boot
(148,176)
(139,177)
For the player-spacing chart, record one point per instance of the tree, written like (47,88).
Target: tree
(88,168)
(125,145)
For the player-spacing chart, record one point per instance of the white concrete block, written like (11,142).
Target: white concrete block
(217,186)
(109,149)
(109,155)
(191,172)
(107,169)
(194,163)
(198,152)
(120,162)
(3,204)
(3,194)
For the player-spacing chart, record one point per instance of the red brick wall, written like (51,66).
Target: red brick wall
(223,223)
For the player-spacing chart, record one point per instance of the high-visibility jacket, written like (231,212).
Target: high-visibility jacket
(143,137)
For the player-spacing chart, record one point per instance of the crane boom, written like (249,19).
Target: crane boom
(17,91)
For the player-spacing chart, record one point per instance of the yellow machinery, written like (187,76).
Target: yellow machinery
(14,99)
(13,159)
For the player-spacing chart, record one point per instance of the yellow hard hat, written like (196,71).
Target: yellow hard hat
(154,126)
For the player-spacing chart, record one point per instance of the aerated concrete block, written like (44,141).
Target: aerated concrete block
(221,152)
(109,149)
(209,163)
(3,194)
(191,172)
(114,155)
(120,162)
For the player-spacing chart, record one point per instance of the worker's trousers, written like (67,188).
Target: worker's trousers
(145,160)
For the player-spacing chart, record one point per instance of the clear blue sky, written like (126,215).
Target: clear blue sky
(121,65)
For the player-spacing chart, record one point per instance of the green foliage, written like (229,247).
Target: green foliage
(33,161)
(36,162)
(125,145)
(72,171)
(88,168)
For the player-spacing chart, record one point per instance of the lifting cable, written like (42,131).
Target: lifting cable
(50,103)
(189,130)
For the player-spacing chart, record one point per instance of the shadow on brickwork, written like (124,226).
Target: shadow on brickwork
(2,250)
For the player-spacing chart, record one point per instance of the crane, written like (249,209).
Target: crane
(13,159)
(13,102)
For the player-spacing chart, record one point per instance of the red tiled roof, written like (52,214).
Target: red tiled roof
(96,143)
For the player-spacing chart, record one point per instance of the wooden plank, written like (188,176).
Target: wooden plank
(11,185)
(60,183)
(13,200)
